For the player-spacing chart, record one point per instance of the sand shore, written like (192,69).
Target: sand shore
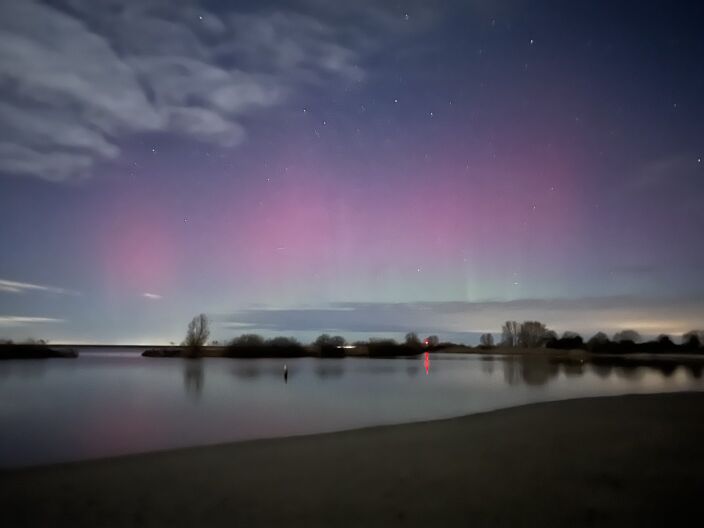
(626,461)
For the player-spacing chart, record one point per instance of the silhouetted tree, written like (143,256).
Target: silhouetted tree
(330,346)
(254,346)
(284,347)
(692,340)
(486,340)
(327,340)
(197,334)
(568,341)
(509,334)
(412,340)
(598,342)
(627,336)
(665,343)
(282,342)
(389,347)
(532,334)
(248,341)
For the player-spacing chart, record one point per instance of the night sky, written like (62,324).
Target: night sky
(363,168)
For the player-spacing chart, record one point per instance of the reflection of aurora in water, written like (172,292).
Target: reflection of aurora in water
(139,404)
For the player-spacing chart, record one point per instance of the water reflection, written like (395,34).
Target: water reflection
(193,377)
(531,370)
(335,393)
(635,367)
(253,369)
(630,373)
(26,368)
(695,370)
(333,369)
(245,369)
(538,371)
(487,363)
(601,369)
(573,367)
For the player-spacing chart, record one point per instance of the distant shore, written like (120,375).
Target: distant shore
(35,351)
(612,461)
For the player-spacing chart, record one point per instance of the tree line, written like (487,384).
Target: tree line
(534,334)
(528,334)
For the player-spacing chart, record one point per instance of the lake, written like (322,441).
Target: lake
(112,402)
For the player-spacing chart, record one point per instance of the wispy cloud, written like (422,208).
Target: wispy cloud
(16,320)
(152,296)
(8,286)
(76,77)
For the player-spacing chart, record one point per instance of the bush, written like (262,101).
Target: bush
(254,346)
(390,348)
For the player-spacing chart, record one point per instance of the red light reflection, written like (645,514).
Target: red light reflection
(427,363)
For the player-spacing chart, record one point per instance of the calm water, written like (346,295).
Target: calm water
(110,402)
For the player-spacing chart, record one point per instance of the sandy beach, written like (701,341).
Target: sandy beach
(627,460)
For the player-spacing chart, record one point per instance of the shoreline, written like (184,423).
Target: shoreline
(612,460)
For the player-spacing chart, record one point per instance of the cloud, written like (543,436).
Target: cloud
(16,320)
(152,296)
(77,78)
(586,315)
(22,287)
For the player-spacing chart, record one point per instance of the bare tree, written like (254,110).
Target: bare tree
(486,340)
(532,334)
(509,334)
(412,339)
(197,333)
